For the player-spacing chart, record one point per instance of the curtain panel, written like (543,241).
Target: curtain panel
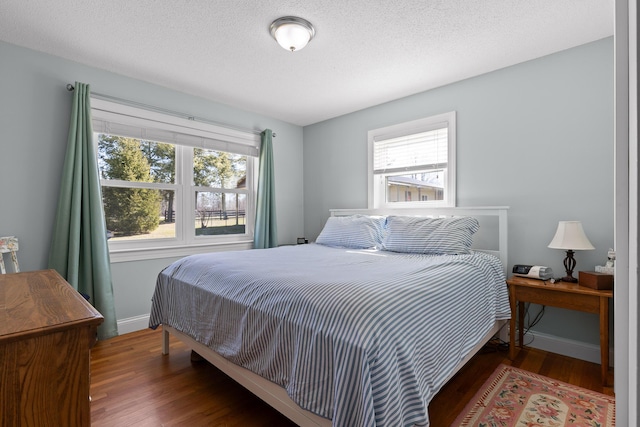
(79,250)
(266,232)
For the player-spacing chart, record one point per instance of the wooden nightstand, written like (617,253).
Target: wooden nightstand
(563,295)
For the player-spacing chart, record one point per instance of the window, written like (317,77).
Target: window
(172,186)
(413,163)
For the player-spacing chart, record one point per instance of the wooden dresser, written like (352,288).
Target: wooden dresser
(46,332)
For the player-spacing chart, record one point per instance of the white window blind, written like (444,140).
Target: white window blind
(419,151)
(138,123)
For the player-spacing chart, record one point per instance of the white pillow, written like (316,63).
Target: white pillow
(450,235)
(354,232)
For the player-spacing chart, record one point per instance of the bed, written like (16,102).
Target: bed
(361,328)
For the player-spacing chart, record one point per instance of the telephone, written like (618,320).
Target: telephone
(533,271)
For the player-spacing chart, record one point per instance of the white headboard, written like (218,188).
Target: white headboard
(490,238)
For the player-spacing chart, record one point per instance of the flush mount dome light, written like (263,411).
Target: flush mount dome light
(291,32)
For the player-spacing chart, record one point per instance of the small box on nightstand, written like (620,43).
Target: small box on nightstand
(595,280)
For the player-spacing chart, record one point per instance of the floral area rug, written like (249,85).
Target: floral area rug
(516,398)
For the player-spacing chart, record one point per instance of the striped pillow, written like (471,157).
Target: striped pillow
(420,235)
(354,232)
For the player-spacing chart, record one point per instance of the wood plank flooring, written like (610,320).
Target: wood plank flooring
(132,384)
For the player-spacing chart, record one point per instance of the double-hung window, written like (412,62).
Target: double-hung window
(172,186)
(413,164)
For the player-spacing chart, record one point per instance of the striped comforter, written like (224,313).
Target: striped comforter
(363,337)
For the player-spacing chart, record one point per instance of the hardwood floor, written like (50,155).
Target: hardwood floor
(132,384)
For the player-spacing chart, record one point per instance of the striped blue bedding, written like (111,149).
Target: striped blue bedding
(363,337)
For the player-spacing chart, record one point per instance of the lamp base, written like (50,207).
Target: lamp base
(569,265)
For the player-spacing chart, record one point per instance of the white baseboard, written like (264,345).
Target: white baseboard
(564,346)
(132,324)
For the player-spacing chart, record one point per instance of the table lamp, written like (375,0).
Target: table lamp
(570,237)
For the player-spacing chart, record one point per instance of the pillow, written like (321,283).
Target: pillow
(354,232)
(419,235)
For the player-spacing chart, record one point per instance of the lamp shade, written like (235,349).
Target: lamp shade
(292,33)
(570,236)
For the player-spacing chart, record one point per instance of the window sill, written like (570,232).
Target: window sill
(127,255)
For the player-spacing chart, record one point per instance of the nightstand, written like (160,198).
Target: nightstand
(571,296)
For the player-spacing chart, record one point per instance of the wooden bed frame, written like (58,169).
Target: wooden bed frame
(493,240)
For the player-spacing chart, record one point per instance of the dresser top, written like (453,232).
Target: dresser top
(41,302)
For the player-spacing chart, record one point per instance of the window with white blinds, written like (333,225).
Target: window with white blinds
(413,163)
(171,185)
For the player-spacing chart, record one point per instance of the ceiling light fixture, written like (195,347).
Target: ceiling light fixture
(291,32)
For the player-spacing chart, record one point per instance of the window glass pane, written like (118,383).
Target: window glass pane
(220,213)
(219,169)
(136,160)
(416,187)
(139,213)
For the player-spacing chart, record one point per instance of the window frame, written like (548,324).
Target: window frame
(376,189)
(185,242)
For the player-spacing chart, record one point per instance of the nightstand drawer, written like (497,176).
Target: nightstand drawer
(555,298)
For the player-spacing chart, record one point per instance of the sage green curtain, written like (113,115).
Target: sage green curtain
(266,232)
(79,250)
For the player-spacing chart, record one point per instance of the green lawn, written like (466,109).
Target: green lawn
(216,227)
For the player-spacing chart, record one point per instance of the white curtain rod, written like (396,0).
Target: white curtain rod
(70,88)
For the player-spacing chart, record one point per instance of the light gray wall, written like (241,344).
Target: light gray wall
(34,120)
(537,137)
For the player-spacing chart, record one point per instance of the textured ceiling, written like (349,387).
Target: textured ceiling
(365,52)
